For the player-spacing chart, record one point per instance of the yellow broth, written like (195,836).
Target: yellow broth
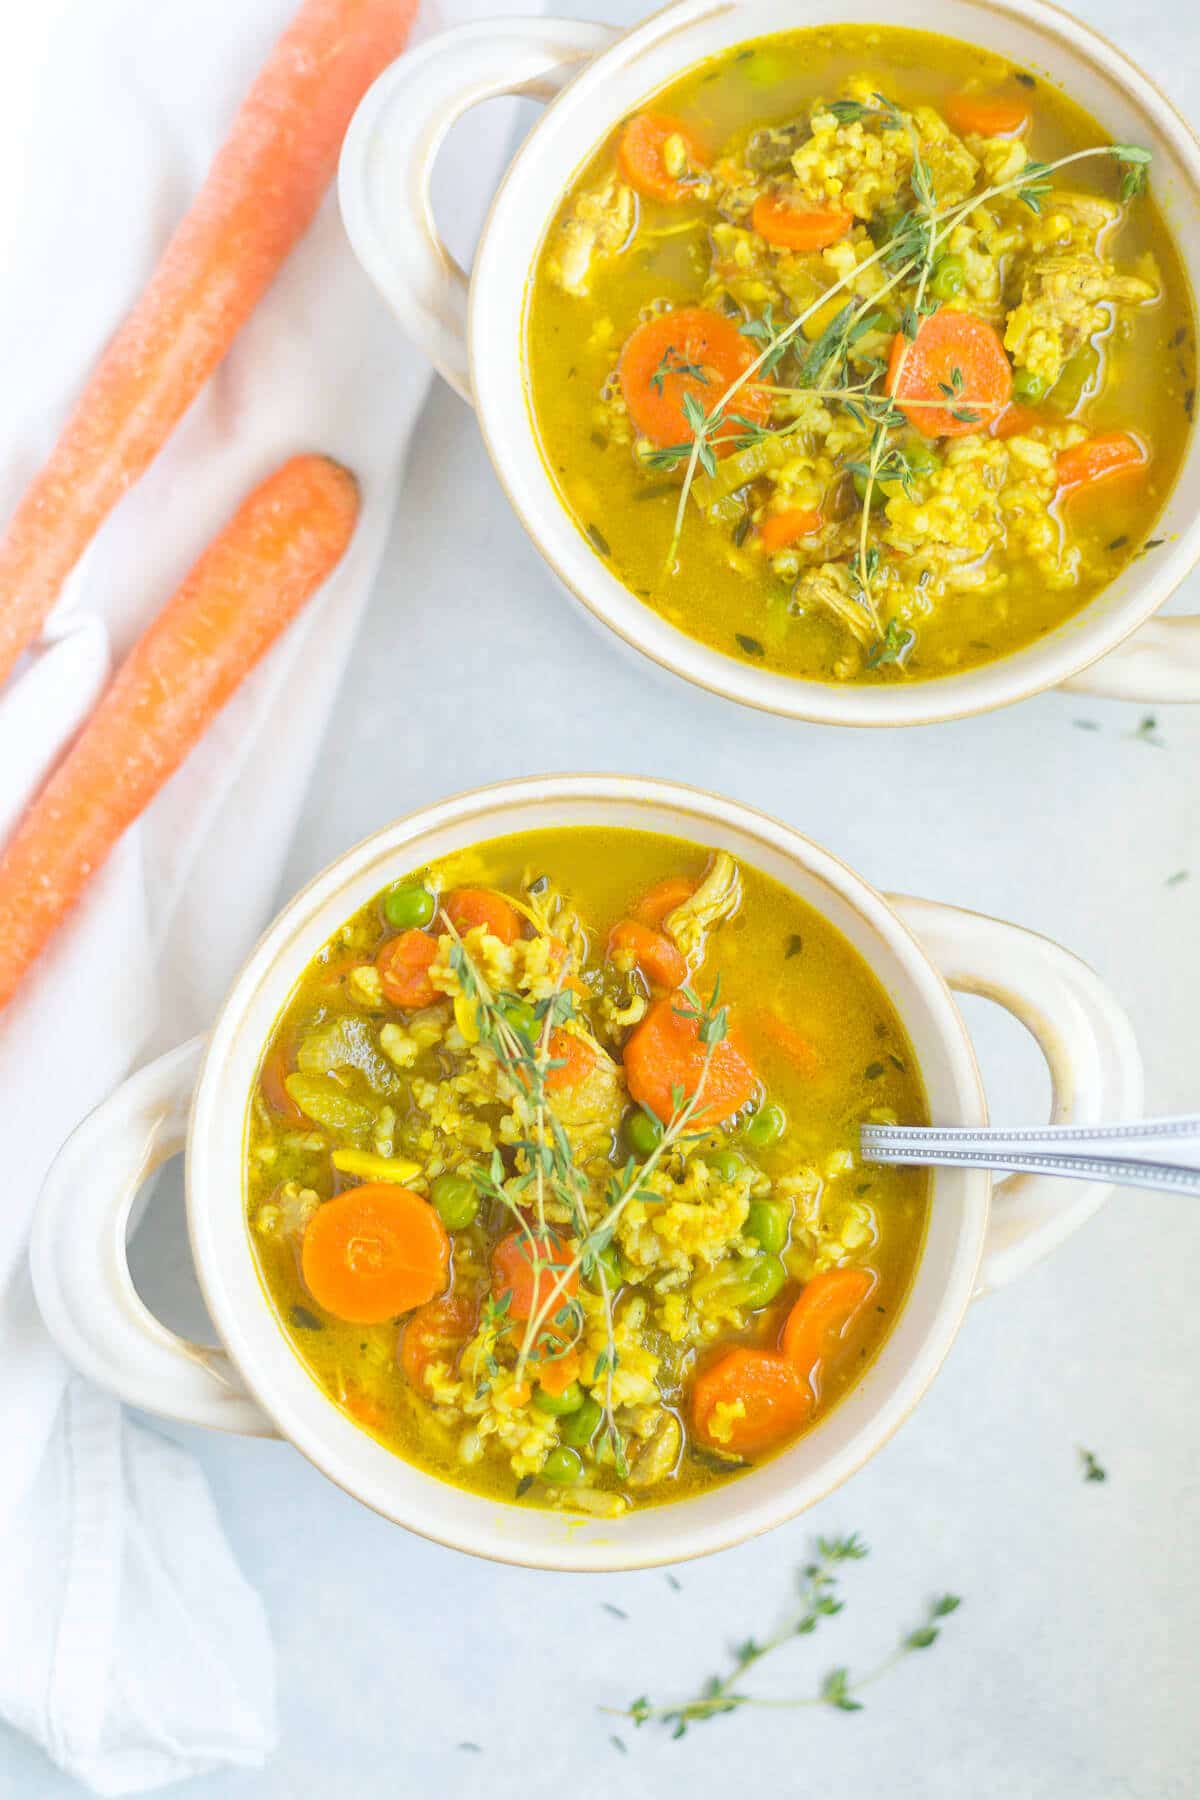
(676,1307)
(977,559)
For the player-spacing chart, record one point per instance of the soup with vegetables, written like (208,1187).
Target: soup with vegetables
(553,1173)
(861,354)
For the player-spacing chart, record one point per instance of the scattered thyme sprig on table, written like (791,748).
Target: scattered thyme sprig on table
(908,254)
(819,1601)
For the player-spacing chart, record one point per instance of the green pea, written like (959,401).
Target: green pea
(878,497)
(456,1199)
(521,1017)
(562,1467)
(642,1133)
(767,1222)
(766,1127)
(611,1264)
(762,1280)
(922,460)
(727,1165)
(949,277)
(1028,386)
(409,907)
(569,1401)
(579,1428)
(1078,375)
(882,319)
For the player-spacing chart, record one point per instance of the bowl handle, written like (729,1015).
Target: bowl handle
(81,1270)
(392,144)
(1158,663)
(1087,1041)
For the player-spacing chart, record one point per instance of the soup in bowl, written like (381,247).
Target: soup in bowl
(843,368)
(531,1236)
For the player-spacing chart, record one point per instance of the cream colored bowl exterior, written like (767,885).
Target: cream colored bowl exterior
(255,1382)
(476,338)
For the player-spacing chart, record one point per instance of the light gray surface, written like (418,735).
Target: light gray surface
(1070,1672)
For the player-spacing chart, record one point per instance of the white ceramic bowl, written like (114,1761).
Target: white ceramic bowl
(474,331)
(197,1097)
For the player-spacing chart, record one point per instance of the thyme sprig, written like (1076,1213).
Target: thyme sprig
(819,1600)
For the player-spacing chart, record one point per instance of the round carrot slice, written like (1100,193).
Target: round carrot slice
(779,529)
(955,364)
(574,1060)
(527,1267)
(1096,457)
(761,1398)
(1016,420)
(821,1315)
(791,225)
(663,898)
(373,1252)
(435,1333)
(987,115)
(403,964)
(467,907)
(651,951)
(690,351)
(643,152)
(664,1054)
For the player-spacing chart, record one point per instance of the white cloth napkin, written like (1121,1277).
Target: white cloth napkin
(131,1646)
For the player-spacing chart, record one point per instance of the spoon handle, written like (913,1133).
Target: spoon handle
(1153,1153)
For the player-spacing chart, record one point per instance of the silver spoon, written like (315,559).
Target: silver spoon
(1154,1153)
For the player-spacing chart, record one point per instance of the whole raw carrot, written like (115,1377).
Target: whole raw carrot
(261,192)
(253,578)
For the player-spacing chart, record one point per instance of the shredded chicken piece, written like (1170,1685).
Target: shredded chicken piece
(832,586)
(717,898)
(601,223)
(1064,302)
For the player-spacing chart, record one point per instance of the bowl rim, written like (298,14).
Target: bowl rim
(1079,642)
(317,1428)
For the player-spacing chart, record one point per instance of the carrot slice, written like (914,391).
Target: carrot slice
(468,907)
(790,225)
(1096,457)
(798,1048)
(779,529)
(557,1373)
(435,1333)
(1016,419)
(263,188)
(652,952)
(956,361)
(761,1397)
(987,115)
(663,898)
(373,1252)
(575,1060)
(404,963)
(664,1053)
(642,161)
(689,352)
(528,1267)
(250,582)
(820,1317)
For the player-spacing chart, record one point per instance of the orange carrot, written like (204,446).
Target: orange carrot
(250,582)
(635,944)
(373,1252)
(1096,457)
(820,1317)
(403,964)
(468,907)
(663,898)
(987,115)
(956,363)
(1016,420)
(261,192)
(574,1060)
(664,1053)
(271,1078)
(363,1406)
(557,1373)
(792,226)
(641,160)
(695,352)
(763,1400)
(435,1333)
(798,1048)
(528,1267)
(779,529)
